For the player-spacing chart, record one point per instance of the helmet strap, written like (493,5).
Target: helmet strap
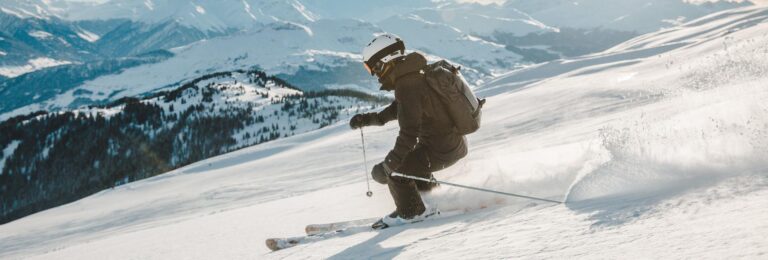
(386,77)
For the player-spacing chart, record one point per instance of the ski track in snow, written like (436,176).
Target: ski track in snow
(657,153)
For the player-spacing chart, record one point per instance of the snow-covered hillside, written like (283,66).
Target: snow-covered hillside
(658,146)
(32,65)
(136,138)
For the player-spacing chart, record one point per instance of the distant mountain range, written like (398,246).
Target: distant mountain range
(313,45)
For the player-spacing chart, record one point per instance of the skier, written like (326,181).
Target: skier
(427,141)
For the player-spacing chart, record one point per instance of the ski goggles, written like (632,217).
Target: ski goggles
(367,68)
(373,69)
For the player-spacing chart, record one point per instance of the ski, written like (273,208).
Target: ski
(275,244)
(320,232)
(315,229)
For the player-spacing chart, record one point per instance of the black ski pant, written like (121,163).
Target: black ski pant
(405,191)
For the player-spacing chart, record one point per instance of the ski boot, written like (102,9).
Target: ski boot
(393,219)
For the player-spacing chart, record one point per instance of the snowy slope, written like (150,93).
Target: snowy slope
(658,145)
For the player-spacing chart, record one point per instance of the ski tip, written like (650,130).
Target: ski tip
(310,229)
(379,225)
(272,244)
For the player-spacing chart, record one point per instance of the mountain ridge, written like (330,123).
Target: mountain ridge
(138,137)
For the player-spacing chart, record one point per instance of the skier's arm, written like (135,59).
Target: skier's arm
(374,118)
(409,111)
(388,114)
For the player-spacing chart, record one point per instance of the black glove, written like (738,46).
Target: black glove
(361,120)
(381,172)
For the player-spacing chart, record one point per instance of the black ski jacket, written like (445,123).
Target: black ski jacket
(422,117)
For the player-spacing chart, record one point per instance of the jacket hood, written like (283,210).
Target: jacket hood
(411,63)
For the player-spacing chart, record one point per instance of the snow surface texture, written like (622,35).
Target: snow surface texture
(659,147)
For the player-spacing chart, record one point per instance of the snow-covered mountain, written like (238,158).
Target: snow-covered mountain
(312,51)
(658,147)
(642,16)
(584,27)
(31,88)
(484,20)
(320,55)
(207,15)
(480,57)
(24,43)
(136,138)
(79,31)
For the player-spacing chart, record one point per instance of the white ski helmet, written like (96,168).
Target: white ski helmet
(382,49)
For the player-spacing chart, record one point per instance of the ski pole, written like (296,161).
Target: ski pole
(433,180)
(369,193)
